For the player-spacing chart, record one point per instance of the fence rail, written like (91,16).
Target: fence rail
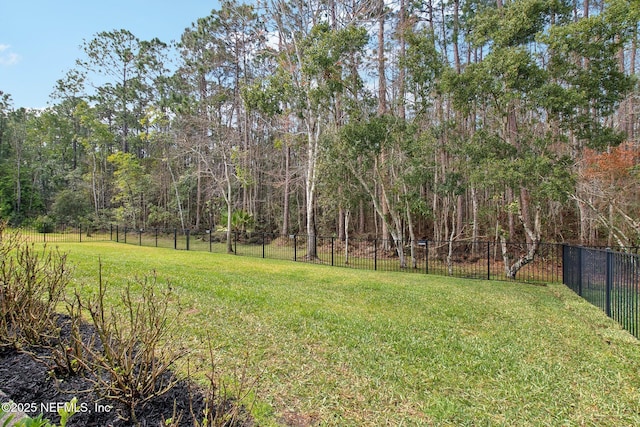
(64,234)
(479,260)
(607,279)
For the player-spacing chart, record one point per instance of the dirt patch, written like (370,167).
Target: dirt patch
(294,419)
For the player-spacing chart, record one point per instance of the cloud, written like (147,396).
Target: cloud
(7,57)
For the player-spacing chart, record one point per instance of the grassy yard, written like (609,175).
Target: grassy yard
(339,347)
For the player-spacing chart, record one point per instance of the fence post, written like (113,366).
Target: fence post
(175,238)
(210,240)
(580,252)
(332,239)
(609,284)
(188,235)
(125,234)
(80,232)
(111,232)
(235,243)
(156,236)
(375,254)
(426,255)
(140,237)
(117,233)
(564,255)
(263,244)
(295,247)
(488,260)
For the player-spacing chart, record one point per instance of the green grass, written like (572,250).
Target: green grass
(339,347)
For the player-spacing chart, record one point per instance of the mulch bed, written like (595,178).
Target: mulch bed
(28,381)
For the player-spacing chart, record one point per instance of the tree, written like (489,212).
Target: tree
(310,76)
(96,140)
(131,181)
(508,83)
(216,54)
(130,65)
(362,142)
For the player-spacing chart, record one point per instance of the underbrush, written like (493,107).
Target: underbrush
(123,359)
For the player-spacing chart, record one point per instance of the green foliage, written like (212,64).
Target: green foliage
(131,182)
(580,93)
(66,411)
(71,206)
(424,63)
(266,96)
(324,49)
(44,224)
(240,221)
(517,23)
(367,138)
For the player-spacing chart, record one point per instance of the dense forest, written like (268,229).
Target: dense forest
(502,120)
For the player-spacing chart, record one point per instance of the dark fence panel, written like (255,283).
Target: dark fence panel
(63,233)
(477,260)
(609,280)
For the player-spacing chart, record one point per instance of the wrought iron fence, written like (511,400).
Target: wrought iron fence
(63,233)
(607,279)
(479,259)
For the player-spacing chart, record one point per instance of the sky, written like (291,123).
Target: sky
(40,39)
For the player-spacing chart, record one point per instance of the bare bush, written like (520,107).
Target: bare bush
(32,285)
(129,363)
(226,402)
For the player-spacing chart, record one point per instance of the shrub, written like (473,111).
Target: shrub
(44,224)
(71,206)
(129,364)
(32,284)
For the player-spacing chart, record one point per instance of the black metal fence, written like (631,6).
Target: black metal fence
(64,234)
(607,279)
(479,260)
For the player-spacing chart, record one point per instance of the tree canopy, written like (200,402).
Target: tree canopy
(470,119)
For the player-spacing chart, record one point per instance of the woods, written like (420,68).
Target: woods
(513,120)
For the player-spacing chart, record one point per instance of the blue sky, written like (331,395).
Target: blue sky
(40,39)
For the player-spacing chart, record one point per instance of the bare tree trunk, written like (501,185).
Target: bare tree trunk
(402,23)
(631,120)
(412,235)
(287,184)
(341,222)
(347,214)
(198,193)
(533,235)
(450,251)
(474,225)
(584,222)
(456,26)
(382,109)
(94,184)
(227,199)
(313,134)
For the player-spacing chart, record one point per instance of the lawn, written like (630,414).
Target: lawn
(340,347)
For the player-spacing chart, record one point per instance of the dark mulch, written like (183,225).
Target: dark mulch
(27,379)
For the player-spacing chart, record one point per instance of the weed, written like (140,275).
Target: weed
(226,401)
